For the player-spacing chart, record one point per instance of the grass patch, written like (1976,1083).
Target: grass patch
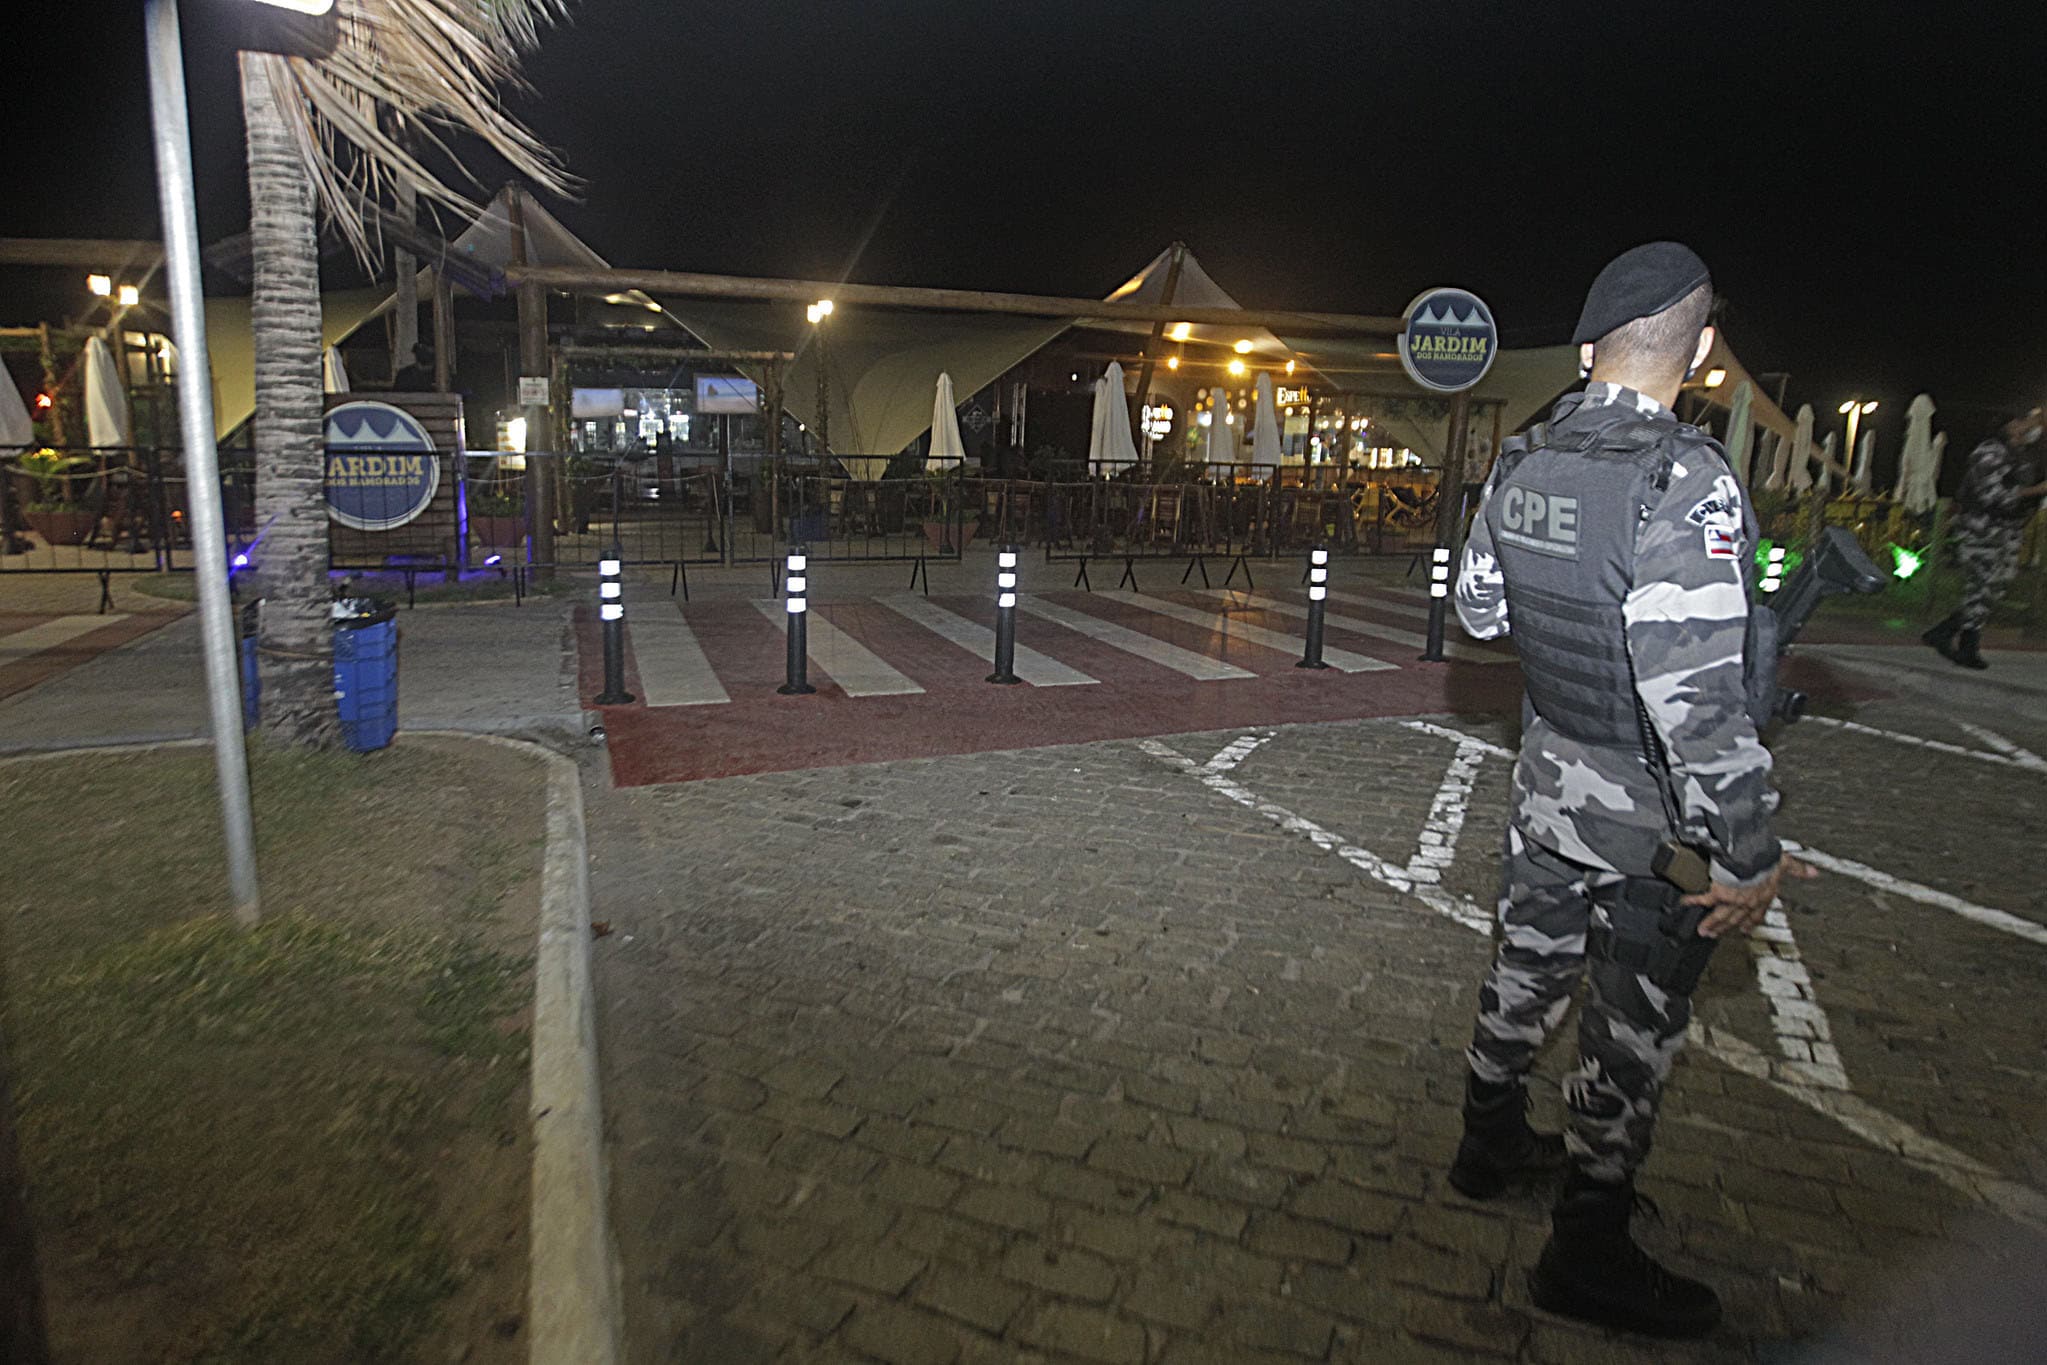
(304,1142)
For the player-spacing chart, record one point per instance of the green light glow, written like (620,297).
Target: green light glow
(1905,562)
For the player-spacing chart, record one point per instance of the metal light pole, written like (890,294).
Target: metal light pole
(171,134)
(817,313)
(1855,409)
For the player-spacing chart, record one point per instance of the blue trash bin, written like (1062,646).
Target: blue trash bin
(252,680)
(366,672)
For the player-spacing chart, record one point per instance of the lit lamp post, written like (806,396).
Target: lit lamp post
(817,313)
(1854,410)
(171,134)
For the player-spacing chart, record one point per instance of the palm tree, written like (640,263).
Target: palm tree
(340,130)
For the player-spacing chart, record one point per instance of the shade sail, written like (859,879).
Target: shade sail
(879,362)
(1763,411)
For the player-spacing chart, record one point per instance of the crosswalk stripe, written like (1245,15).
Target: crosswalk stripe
(1358,625)
(1197,666)
(1226,625)
(50,634)
(1037,669)
(857,670)
(1385,600)
(673,668)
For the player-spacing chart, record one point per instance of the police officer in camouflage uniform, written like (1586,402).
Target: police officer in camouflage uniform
(1999,494)
(1615,541)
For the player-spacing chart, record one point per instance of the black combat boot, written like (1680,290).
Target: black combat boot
(1968,650)
(1499,1147)
(1592,1270)
(1942,636)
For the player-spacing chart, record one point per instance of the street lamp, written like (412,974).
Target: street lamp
(817,313)
(1855,410)
(1715,377)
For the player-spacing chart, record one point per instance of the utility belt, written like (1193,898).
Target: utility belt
(1653,933)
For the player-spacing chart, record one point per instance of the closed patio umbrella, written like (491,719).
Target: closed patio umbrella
(1220,447)
(333,373)
(1264,425)
(1801,451)
(1918,465)
(1110,447)
(1740,430)
(106,403)
(947,449)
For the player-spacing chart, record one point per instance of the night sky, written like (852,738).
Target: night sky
(1863,180)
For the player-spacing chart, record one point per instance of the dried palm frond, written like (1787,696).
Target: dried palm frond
(403,73)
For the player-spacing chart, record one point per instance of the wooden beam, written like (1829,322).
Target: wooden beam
(576,279)
(87,253)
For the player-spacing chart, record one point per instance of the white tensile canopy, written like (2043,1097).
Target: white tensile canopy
(1918,464)
(1264,425)
(106,403)
(1110,447)
(947,449)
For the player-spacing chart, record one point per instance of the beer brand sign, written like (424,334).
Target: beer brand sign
(381,467)
(1448,340)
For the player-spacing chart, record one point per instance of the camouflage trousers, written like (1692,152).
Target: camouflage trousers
(1629,1030)
(1988,552)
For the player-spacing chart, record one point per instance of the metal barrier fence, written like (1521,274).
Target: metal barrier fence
(106,510)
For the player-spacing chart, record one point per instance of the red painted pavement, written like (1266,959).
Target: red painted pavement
(959,713)
(21,674)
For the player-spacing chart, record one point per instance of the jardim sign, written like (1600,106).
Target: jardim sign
(1449,339)
(381,467)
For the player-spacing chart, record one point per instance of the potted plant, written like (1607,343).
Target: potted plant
(56,514)
(496,519)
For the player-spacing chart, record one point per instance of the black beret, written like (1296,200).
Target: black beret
(1639,283)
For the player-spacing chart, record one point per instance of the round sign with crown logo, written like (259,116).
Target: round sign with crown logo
(1448,340)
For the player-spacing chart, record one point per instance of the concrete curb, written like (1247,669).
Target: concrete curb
(574,1314)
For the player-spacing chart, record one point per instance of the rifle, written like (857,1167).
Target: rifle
(1836,565)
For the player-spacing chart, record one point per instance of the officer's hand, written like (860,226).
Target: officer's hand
(1741,908)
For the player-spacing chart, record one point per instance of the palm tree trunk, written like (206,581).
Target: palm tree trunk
(290,557)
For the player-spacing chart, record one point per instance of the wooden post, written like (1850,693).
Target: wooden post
(444,334)
(405,317)
(1450,498)
(1151,347)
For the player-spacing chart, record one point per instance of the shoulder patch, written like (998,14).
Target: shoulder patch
(1718,517)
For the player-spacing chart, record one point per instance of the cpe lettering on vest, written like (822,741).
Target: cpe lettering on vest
(1546,523)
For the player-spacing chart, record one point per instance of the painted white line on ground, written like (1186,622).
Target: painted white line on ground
(1962,1172)
(1359,626)
(1199,667)
(1796,1016)
(1037,669)
(1799,1077)
(1916,741)
(673,669)
(1233,753)
(1226,626)
(2025,758)
(1364,860)
(1438,847)
(1925,895)
(857,670)
(50,634)
(1428,727)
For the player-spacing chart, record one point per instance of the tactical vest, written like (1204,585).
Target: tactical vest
(1564,515)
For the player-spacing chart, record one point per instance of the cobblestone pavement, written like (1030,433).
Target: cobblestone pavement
(1128,1052)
